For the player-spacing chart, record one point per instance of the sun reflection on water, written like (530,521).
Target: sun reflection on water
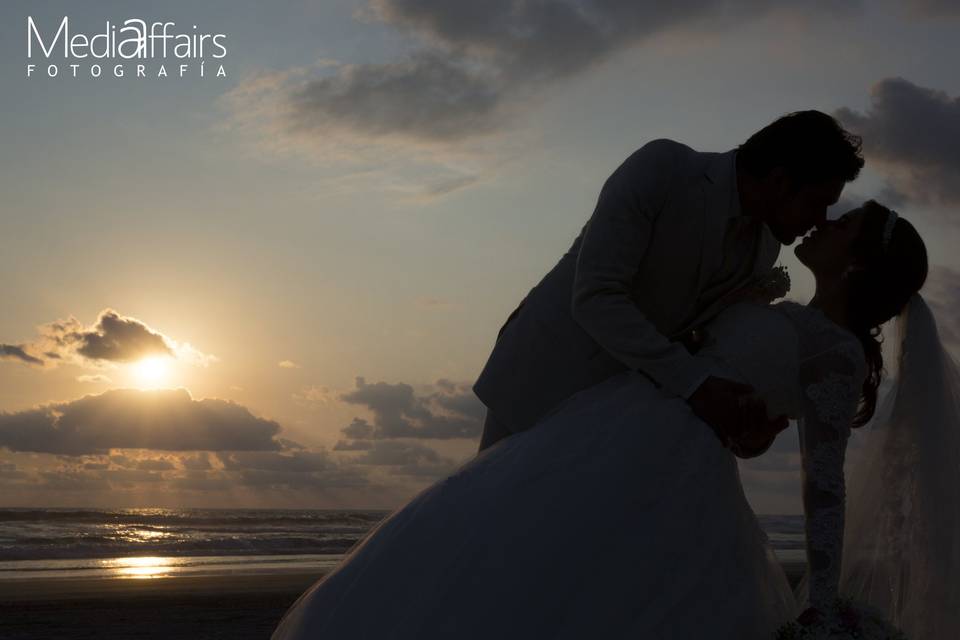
(139,567)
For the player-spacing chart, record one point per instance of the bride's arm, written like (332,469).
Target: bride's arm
(831,384)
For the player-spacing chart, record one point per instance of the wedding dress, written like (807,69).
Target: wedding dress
(620,515)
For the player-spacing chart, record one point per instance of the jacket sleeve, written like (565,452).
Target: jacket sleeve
(613,245)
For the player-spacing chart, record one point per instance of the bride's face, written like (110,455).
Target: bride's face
(827,252)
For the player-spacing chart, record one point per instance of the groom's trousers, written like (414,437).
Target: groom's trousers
(493,431)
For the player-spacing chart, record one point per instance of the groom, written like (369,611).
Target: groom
(674,233)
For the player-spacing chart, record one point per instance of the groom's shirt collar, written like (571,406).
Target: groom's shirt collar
(722,172)
(735,210)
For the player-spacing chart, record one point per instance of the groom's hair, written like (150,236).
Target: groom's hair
(810,145)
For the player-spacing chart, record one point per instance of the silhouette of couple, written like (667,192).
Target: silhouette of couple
(605,500)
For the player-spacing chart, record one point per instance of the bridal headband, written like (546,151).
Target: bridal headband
(888,227)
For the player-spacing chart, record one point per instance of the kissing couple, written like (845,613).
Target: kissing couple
(605,500)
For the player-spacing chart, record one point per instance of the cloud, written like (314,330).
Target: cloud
(288,364)
(286,472)
(425,96)
(353,445)
(450,412)
(16,352)
(407,458)
(113,339)
(199,462)
(9,471)
(913,133)
(293,470)
(292,461)
(470,72)
(399,457)
(162,442)
(94,378)
(167,419)
(154,464)
(130,462)
(315,396)
(505,48)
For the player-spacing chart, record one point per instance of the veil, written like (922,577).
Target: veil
(902,539)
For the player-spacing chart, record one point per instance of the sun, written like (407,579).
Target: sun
(152,372)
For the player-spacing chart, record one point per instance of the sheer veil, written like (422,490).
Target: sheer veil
(902,542)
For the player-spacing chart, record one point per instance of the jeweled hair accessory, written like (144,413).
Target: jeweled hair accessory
(888,227)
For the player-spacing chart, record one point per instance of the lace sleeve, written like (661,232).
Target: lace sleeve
(831,382)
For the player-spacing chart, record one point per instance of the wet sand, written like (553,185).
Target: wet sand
(238,607)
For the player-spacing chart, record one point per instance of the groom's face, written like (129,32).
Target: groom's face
(796,210)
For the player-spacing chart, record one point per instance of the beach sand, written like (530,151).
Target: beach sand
(229,606)
(237,607)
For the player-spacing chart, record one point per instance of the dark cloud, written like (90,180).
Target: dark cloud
(155,464)
(428,95)
(62,480)
(450,412)
(16,352)
(293,470)
(199,462)
(113,338)
(291,461)
(167,419)
(353,445)
(10,472)
(534,41)
(406,458)
(913,132)
(479,61)
(339,477)
(128,478)
(282,471)
(359,428)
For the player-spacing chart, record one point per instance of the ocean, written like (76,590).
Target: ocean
(147,543)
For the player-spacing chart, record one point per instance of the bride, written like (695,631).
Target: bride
(621,514)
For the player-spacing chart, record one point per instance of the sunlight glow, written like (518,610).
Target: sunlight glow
(152,372)
(140,567)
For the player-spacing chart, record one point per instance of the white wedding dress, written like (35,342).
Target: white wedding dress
(620,515)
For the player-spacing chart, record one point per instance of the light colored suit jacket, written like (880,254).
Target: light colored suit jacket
(629,285)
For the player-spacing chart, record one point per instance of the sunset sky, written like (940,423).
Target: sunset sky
(276,288)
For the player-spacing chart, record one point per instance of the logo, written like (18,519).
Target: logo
(134,48)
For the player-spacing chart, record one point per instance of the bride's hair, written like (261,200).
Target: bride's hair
(885,275)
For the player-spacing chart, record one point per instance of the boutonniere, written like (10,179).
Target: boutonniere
(766,288)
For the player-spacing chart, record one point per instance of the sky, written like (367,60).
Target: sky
(275,286)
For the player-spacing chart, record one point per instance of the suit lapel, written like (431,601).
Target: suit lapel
(764,261)
(716,186)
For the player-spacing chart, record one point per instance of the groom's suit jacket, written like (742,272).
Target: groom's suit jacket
(631,284)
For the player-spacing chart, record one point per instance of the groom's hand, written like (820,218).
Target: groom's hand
(731,409)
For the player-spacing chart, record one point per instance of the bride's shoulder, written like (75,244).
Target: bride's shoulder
(818,333)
